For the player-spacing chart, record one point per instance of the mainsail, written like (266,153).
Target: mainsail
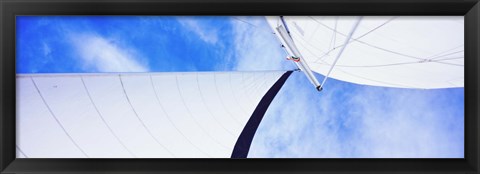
(143,115)
(402,52)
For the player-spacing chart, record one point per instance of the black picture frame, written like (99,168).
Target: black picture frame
(11,8)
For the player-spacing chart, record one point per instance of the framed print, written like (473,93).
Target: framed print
(202,87)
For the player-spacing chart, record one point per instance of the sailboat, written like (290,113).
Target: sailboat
(216,114)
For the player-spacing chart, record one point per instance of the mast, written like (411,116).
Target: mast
(293,52)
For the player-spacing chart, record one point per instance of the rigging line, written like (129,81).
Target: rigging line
(341,51)
(255,26)
(103,119)
(451,83)
(302,44)
(236,18)
(169,119)
(139,119)
(316,62)
(381,82)
(377,27)
(302,38)
(335,32)
(221,100)
(208,108)
(365,43)
(56,119)
(440,56)
(454,64)
(314,32)
(390,51)
(21,152)
(450,58)
(193,118)
(356,39)
(383,65)
(446,51)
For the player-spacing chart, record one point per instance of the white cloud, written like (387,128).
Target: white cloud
(406,123)
(365,122)
(207,33)
(98,54)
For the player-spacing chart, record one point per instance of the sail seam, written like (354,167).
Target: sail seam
(103,119)
(222,102)
(56,119)
(191,115)
(139,119)
(208,109)
(169,119)
(235,96)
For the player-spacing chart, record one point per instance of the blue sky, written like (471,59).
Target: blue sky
(344,120)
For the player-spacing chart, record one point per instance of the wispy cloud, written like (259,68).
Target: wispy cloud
(255,46)
(98,54)
(354,121)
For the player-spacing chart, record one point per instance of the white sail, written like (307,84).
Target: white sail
(143,115)
(403,52)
